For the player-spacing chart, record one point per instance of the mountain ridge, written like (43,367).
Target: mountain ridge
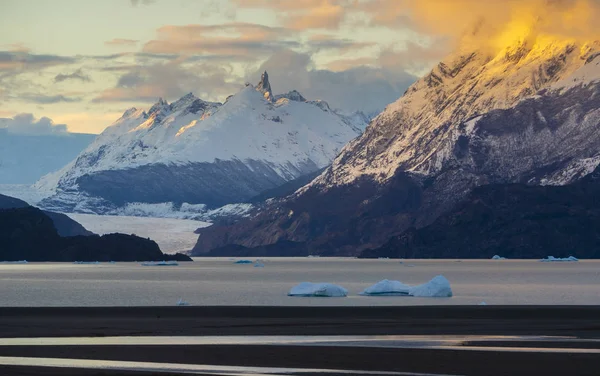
(197,152)
(476,119)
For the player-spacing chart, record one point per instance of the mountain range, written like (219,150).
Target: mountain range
(202,153)
(527,115)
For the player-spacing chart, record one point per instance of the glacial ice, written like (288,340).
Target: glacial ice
(86,262)
(259,264)
(160,263)
(14,262)
(182,302)
(555,259)
(308,289)
(438,287)
(496,257)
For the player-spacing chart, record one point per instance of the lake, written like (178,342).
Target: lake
(218,281)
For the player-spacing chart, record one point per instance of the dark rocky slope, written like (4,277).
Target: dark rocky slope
(514,221)
(29,234)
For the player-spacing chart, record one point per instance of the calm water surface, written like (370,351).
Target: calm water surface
(221,282)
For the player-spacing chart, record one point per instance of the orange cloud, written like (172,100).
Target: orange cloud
(304,14)
(120,42)
(492,23)
(236,38)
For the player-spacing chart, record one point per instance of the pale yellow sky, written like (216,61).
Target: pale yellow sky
(83,62)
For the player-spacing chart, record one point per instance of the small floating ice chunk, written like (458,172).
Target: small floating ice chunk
(387,288)
(438,287)
(555,259)
(308,289)
(160,263)
(496,257)
(313,256)
(86,262)
(182,302)
(482,303)
(383,258)
(243,262)
(259,264)
(14,262)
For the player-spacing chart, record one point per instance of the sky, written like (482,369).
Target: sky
(77,65)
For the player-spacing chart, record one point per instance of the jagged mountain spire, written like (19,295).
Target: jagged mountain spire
(264,86)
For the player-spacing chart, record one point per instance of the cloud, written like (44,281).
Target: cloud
(28,124)
(46,99)
(120,42)
(135,3)
(363,88)
(489,24)
(304,14)
(235,38)
(21,61)
(171,80)
(320,42)
(77,75)
(414,57)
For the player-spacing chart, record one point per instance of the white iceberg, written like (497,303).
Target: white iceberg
(555,259)
(160,263)
(308,289)
(496,257)
(438,287)
(243,262)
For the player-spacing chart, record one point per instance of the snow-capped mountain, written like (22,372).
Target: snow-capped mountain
(528,114)
(197,152)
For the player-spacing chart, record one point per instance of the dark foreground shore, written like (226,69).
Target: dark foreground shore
(581,322)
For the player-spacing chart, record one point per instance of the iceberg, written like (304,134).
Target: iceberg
(387,288)
(86,262)
(160,263)
(308,289)
(259,264)
(438,287)
(182,302)
(14,262)
(496,257)
(243,262)
(554,259)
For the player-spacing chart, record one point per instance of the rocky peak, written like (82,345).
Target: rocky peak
(264,86)
(129,112)
(184,101)
(293,95)
(160,106)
